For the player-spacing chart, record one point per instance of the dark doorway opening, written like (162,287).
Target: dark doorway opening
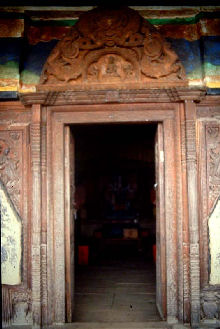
(115,226)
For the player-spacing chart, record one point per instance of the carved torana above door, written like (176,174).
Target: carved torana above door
(112,47)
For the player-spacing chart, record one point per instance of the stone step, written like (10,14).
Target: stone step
(113,325)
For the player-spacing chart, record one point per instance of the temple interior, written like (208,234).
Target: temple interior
(115,222)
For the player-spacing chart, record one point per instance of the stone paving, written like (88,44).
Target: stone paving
(116,291)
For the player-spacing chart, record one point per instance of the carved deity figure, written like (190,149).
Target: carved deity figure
(112,45)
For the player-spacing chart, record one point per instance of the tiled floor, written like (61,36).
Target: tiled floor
(113,290)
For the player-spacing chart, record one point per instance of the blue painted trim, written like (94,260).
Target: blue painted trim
(213,91)
(7,95)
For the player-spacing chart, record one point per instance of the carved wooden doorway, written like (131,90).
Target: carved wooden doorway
(114,178)
(60,151)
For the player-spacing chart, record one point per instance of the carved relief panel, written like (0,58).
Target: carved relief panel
(213,163)
(209,170)
(14,175)
(11,165)
(112,46)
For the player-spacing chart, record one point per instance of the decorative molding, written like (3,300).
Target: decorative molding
(44,294)
(7,307)
(191,159)
(195,283)
(36,214)
(209,111)
(112,46)
(210,100)
(137,94)
(185,222)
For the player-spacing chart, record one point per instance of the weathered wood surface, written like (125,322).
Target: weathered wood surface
(161,289)
(185,222)
(69,160)
(179,212)
(46,138)
(58,275)
(116,114)
(191,162)
(208,115)
(170,215)
(36,214)
(15,173)
(134,94)
(50,222)
(44,286)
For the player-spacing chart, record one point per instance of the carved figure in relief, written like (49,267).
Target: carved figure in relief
(9,165)
(213,163)
(7,162)
(108,45)
(210,301)
(110,67)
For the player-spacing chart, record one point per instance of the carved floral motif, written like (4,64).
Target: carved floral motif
(10,164)
(213,162)
(109,45)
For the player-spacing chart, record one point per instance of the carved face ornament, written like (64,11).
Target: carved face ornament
(153,46)
(4,151)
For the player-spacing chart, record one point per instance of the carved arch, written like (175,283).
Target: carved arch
(112,47)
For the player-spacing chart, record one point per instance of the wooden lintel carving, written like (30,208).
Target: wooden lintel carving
(112,46)
(113,95)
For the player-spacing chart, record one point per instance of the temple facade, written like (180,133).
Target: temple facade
(62,69)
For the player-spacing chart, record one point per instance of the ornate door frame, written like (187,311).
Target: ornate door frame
(112,114)
(57,109)
(177,205)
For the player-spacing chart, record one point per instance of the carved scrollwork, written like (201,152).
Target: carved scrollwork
(113,45)
(10,164)
(213,162)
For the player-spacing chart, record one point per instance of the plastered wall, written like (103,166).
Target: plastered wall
(11,246)
(214,244)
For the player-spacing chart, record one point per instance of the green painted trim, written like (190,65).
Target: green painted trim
(211,70)
(9,70)
(29,77)
(184,20)
(155,21)
(66,22)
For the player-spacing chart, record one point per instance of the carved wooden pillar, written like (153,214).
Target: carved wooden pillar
(170,213)
(36,214)
(44,304)
(185,223)
(190,113)
(179,210)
